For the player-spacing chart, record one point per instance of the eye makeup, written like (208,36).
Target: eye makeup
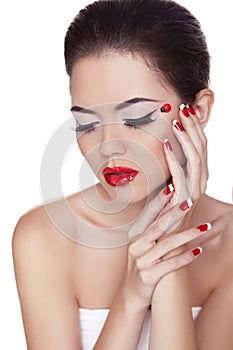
(130,122)
(86,127)
(136,123)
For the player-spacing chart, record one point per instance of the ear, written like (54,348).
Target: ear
(203,104)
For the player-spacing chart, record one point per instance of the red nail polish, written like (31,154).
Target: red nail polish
(204,227)
(168,189)
(184,110)
(186,204)
(197,251)
(190,109)
(168,144)
(166,108)
(177,125)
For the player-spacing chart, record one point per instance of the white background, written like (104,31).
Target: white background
(35,101)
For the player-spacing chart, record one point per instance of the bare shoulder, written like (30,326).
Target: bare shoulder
(222,212)
(222,246)
(214,324)
(40,225)
(33,221)
(38,244)
(211,209)
(42,263)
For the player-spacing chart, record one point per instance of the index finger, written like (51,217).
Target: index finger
(150,212)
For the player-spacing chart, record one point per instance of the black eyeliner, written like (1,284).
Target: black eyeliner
(129,122)
(142,120)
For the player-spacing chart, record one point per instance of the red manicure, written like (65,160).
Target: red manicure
(197,251)
(204,227)
(168,189)
(190,109)
(168,144)
(177,125)
(186,204)
(184,110)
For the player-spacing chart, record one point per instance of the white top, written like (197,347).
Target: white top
(92,322)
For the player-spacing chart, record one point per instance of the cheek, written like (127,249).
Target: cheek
(157,168)
(86,143)
(161,130)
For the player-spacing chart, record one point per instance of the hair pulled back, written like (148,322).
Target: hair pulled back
(165,34)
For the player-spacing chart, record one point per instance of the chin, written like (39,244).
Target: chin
(132,193)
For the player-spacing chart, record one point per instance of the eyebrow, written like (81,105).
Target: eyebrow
(120,106)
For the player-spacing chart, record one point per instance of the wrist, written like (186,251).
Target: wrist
(131,303)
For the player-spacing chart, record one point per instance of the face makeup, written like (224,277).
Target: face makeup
(119,176)
(122,124)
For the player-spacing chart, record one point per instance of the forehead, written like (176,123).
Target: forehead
(114,78)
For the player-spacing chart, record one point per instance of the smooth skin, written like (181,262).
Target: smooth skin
(55,276)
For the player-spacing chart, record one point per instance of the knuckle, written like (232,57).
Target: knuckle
(176,263)
(158,227)
(132,250)
(205,141)
(145,277)
(196,159)
(196,195)
(165,245)
(138,264)
(179,261)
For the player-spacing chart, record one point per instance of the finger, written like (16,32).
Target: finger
(192,127)
(169,244)
(150,212)
(219,225)
(162,268)
(174,216)
(195,138)
(194,160)
(204,157)
(204,151)
(159,227)
(197,123)
(177,173)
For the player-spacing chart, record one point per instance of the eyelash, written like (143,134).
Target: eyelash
(132,123)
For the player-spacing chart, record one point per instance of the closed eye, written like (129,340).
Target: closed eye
(86,127)
(137,122)
(140,121)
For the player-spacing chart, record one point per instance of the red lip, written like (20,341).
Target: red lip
(119,176)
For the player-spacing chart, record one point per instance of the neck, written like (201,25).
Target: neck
(115,213)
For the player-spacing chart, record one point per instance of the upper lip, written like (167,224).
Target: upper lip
(118,170)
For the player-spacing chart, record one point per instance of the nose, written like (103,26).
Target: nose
(112,142)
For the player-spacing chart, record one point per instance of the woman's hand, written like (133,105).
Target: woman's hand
(191,182)
(145,265)
(193,141)
(149,262)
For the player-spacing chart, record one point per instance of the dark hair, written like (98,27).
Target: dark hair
(166,35)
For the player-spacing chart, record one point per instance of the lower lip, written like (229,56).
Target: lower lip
(120,179)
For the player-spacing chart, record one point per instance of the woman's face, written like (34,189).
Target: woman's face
(100,86)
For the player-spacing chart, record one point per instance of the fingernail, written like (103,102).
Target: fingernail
(190,109)
(204,227)
(177,125)
(168,189)
(168,144)
(186,204)
(184,110)
(197,251)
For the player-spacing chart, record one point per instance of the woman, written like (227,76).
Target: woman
(139,73)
